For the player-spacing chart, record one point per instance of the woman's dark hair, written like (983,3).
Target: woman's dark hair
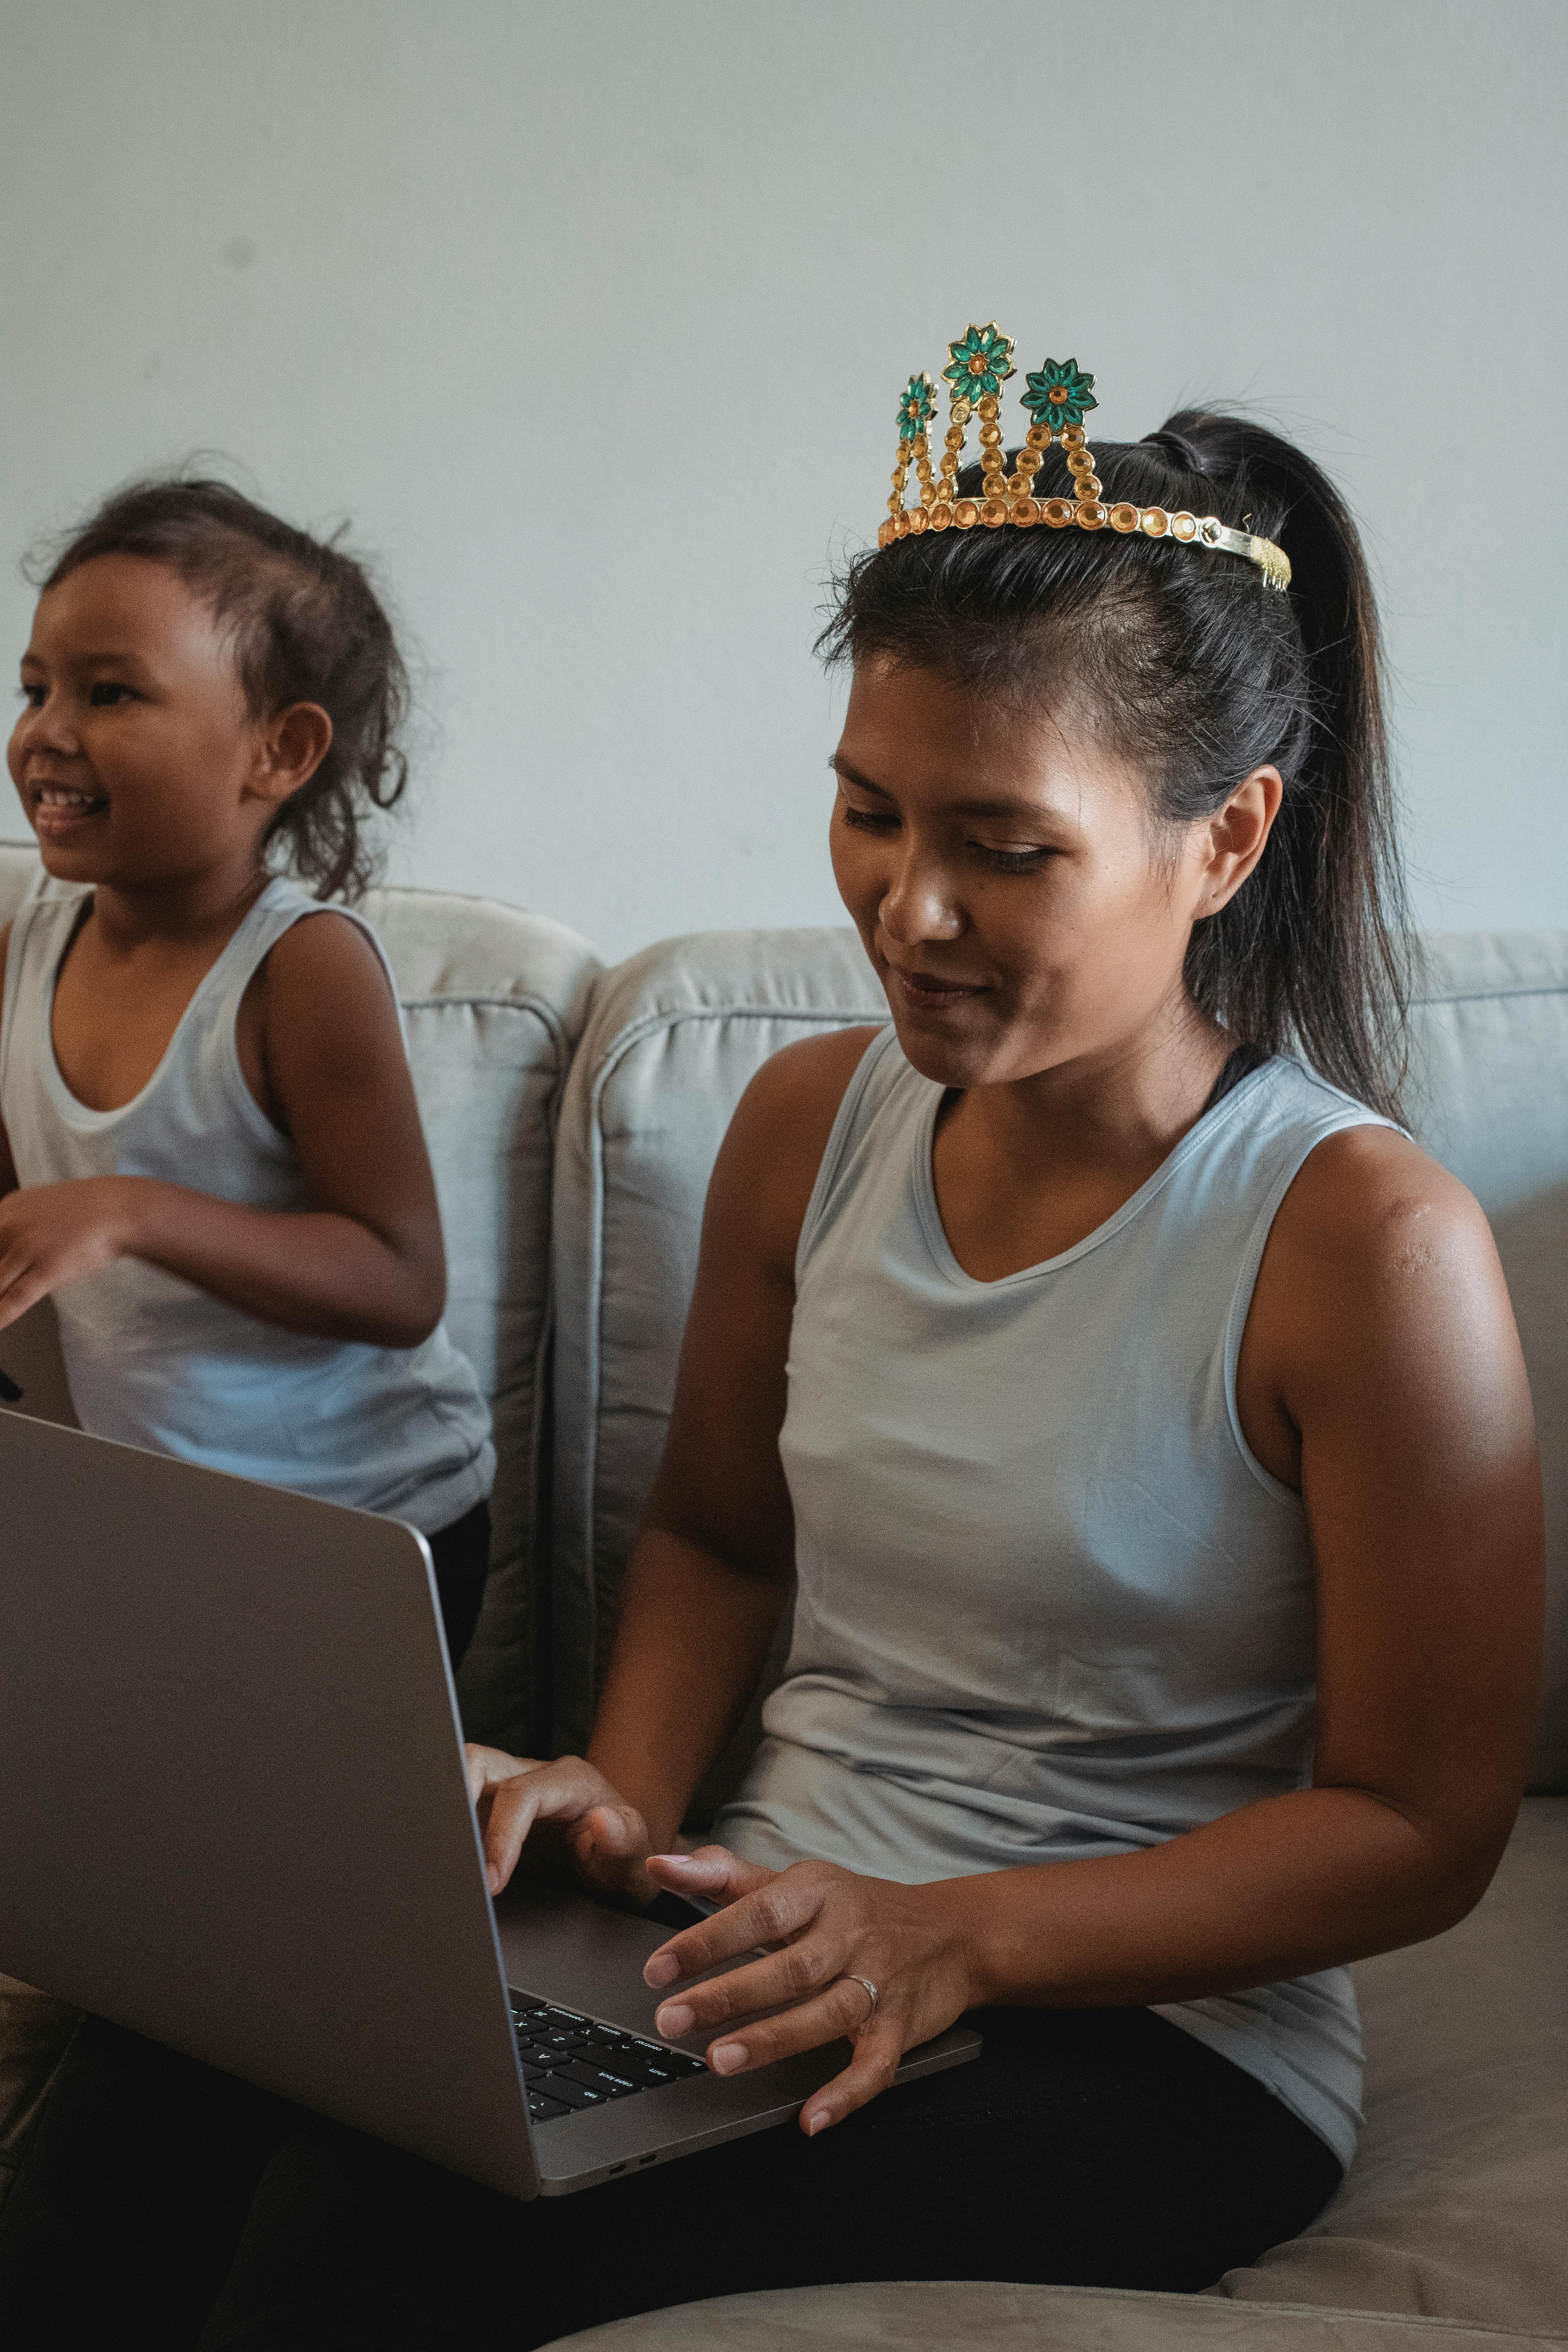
(306,627)
(1187,663)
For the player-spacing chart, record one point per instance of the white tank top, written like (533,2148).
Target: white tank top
(153,1360)
(1049,1604)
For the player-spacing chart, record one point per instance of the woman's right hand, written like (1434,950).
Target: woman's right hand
(602,1839)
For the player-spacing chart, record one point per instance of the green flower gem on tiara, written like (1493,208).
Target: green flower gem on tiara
(917,407)
(1059,394)
(981,362)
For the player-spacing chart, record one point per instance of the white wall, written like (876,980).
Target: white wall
(593,316)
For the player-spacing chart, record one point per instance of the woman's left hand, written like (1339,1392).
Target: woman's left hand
(822,1930)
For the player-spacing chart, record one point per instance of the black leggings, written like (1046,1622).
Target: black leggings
(461,1556)
(1093,2147)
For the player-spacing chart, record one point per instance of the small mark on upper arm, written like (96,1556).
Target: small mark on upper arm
(1407,1228)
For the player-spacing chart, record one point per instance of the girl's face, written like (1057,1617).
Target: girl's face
(1008,886)
(135,756)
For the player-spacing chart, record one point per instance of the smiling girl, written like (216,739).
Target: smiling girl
(210,1153)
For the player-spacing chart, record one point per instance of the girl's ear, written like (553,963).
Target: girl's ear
(1238,837)
(292,745)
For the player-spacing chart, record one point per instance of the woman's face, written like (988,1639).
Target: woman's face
(1007,883)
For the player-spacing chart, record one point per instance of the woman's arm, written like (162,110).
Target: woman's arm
(1380,1343)
(365,1261)
(711,1567)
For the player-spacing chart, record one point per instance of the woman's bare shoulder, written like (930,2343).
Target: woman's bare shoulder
(1370,1200)
(795,1095)
(769,1160)
(1380,1267)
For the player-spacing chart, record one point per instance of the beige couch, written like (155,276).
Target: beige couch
(581,1109)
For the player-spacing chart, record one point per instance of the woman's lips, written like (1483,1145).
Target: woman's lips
(926,993)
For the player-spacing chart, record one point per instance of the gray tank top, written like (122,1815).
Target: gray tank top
(153,1360)
(1049,1604)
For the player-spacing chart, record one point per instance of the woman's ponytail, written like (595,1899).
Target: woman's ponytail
(1314,949)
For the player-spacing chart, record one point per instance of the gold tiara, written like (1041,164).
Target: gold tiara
(1058,397)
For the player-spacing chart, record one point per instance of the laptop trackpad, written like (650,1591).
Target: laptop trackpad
(581,1955)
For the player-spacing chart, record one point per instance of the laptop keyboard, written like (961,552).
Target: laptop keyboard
(570,2062)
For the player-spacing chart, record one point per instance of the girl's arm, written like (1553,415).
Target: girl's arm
(1382,1342)
(365,1261)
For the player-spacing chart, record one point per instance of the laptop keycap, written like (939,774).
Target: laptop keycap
(571,2062)
(577,2094)
(609,2087)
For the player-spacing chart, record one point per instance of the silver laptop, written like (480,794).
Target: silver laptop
(233,1817)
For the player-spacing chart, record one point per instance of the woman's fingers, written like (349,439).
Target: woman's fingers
(711,1874)
(792,1974)
(609,1847)
(612,1830)
(878,2050)
(488,1766)
(761,1907)
(509,1812)
(839,2012)
(513,1795)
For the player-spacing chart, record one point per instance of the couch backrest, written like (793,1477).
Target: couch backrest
(672,1039)
(495,1002)
(1490,1100)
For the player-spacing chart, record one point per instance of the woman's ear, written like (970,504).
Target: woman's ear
(292,744)
(1237,836)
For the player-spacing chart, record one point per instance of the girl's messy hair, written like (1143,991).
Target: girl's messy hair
(1190,665)
(306,627)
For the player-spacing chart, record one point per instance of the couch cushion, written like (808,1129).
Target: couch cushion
(494,1001)
(966,2317)
(1457,2200)
(1489,1099)
(673,1039)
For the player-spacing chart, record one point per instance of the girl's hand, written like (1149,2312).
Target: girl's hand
(824,1929)
(54,1233)
(603,1840)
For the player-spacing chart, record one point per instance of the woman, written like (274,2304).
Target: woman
(1144,1419)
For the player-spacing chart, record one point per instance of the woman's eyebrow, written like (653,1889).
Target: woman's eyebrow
(851,775)
(1028,811)
(998,804)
